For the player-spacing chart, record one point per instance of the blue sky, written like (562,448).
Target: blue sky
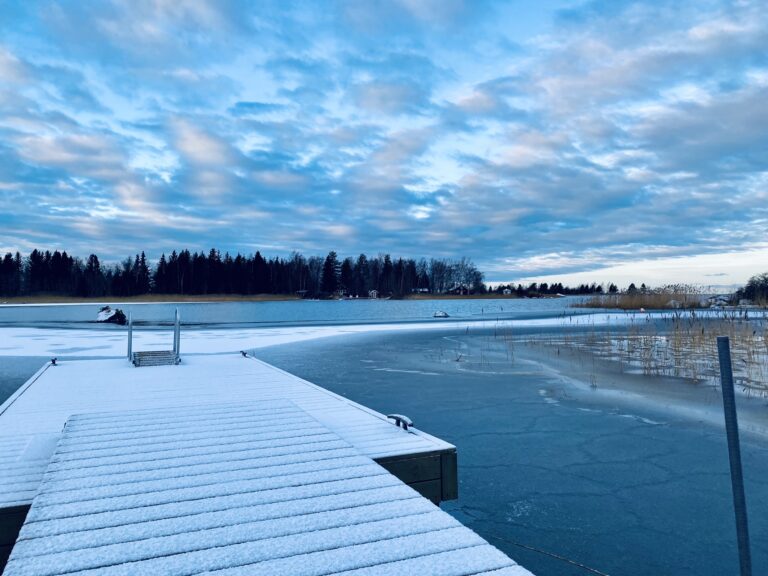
(597,141)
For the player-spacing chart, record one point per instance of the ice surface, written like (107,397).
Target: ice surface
(86,342)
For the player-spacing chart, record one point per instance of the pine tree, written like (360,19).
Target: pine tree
(329,281)
(362,276)
(387,276)
(261,274)
(160,282)
(142,275)
(347,275)
(93,278)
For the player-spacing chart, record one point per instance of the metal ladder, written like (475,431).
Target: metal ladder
(160,357)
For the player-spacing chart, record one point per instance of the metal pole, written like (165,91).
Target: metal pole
(178,338)
(177,334)
(130,335)
(175,322)
(734,454)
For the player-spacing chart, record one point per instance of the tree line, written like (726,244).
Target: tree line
(755,290)
(198,273)
(536,290)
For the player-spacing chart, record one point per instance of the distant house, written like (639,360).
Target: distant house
(373,294)
(507,291)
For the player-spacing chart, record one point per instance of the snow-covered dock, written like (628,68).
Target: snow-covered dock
(31,420)
(251,488)
(219,432)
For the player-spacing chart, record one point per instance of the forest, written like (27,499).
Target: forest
(197,273)
(192,273)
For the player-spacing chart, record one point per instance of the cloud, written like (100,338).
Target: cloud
(12,70)
(544,139)
(199,147)
(389,98)
(139,31)
(91,155)
(255,108)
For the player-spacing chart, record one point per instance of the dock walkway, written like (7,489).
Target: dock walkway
(247,488)
(31,420)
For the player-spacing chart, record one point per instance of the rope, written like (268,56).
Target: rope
(550,554)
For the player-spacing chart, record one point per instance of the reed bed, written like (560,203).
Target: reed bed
(681,344)
(648,301)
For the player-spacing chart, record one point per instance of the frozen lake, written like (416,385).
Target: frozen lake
(545,461)
(624,489)
(293,312)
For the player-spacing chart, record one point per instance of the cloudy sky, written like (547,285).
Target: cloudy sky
(600,141)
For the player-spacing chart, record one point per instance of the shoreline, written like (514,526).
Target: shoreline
(40,300)
(486,296)
(145,299)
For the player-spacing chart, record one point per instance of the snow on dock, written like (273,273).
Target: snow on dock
(32,419)
(248,487)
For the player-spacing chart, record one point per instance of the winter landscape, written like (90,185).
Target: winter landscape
(374,288)
(580,432)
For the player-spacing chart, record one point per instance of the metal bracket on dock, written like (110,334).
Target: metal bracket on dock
(401,421)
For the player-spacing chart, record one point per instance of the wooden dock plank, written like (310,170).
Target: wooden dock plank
(139,512)
(36,414)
